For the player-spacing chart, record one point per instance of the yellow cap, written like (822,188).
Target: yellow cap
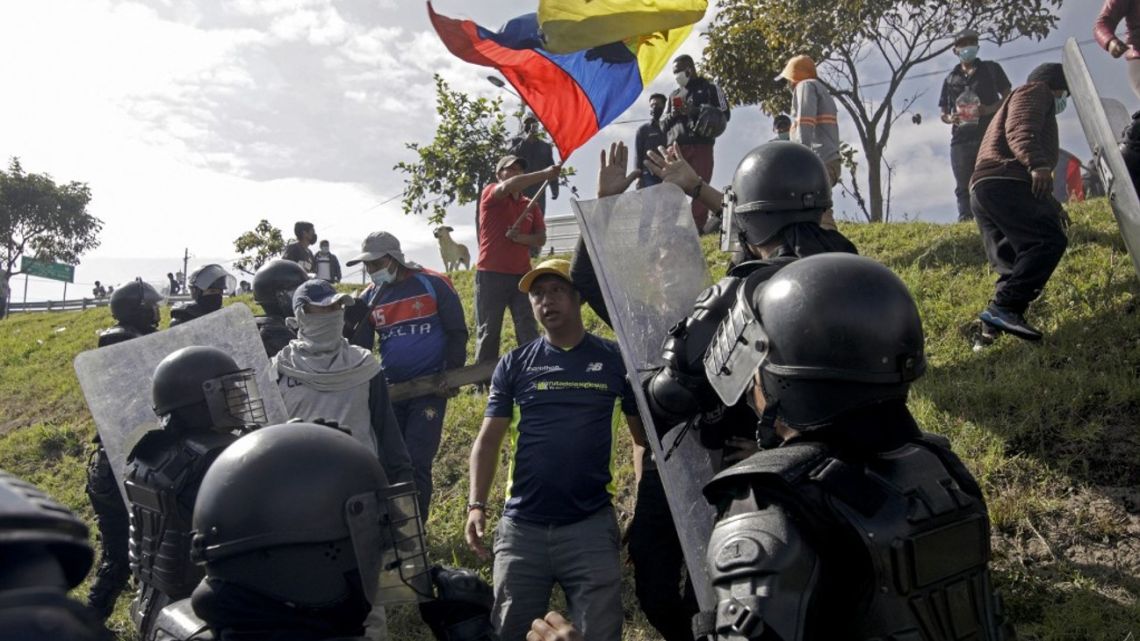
(555,266)
(798,68)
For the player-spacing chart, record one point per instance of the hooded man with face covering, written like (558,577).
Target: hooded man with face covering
(322,376)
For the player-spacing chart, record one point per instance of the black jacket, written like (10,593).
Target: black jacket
(679,124)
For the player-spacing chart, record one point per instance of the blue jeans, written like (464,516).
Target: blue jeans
(581,557)
(421,424)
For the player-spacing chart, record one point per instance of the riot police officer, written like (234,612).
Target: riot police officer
(207,285)
(858,525)
(203,398)
(278,566)
(273,287)
(43,554)
(135,308)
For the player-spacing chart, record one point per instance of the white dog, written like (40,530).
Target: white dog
(453,253)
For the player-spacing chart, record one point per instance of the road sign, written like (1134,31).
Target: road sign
(44,269)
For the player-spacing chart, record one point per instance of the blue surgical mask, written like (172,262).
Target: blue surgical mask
(382,277)
(783,135)
(968,54)
(1061,103)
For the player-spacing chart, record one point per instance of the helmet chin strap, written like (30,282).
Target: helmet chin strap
(766,436)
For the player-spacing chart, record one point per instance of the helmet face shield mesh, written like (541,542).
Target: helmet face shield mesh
(235,400)
(390,545)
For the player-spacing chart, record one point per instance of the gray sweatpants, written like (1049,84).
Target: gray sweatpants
(494,293)
(581,557)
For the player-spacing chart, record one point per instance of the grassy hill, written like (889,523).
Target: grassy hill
(1050,430)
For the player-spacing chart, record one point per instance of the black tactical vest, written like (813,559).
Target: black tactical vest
(814,546)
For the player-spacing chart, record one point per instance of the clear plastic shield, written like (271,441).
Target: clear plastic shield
(116,380)
(1106,155)
(1117,114)
(650,266)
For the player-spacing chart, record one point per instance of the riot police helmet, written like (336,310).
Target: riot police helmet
(289,511)
(274,284)
(201,378)
(211,277)
(30,517)
(136,304)
(830,333)
(777,184)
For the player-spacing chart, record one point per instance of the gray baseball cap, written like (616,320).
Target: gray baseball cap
(378,245)
(507,161)
(966,34)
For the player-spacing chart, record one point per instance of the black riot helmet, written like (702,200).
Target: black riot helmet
(274,284)
(829,333)
(303,513)
(775,185)
(43,553)
(204,384)
(136,305)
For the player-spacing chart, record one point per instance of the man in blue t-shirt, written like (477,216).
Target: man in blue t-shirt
(556,397)
(422,330)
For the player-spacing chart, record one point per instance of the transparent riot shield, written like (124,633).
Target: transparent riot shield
(1106,155)
(650,266)
(1117,114)
(116,380)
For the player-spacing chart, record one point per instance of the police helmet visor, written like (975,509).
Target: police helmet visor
(234,400)
(390,546)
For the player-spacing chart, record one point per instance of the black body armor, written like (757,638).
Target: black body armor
(164,472)
(814,543)
(275,334)
(119,333)
(185,311)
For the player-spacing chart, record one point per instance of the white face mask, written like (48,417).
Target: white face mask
(682,78)
(321,332)
(382,277)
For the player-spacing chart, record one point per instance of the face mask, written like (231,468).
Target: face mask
(968,54)
(321,332)
(682,78)
(1061,103)
(209,302)
(382,277)
(783,135)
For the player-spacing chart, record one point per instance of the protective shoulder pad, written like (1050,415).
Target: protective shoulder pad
(772,265)
(178,622)
(148,439)
(782,465)
(117,334)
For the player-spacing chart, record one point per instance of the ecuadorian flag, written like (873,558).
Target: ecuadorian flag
(574,94)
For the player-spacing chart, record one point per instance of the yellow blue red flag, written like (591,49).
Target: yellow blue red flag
(575,94)
(574,25)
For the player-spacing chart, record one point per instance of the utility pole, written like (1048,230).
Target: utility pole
(185,263)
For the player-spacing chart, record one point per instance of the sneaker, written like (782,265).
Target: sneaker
(1010,322)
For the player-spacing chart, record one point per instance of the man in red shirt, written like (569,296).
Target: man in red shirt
(508,227)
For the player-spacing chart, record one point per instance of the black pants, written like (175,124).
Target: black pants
(659,564)
(1023,238)
(962,158)
(113,523)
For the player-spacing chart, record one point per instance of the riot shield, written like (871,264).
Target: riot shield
(650,266)
(1117,114)
(1106,155)
(116,380)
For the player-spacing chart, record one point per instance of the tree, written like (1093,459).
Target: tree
(460,160)
(258,246)
(44,219)
(750,40)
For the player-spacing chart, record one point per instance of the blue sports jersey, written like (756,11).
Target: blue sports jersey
(408,317)
(563,403)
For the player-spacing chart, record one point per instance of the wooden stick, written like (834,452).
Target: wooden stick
(450,379)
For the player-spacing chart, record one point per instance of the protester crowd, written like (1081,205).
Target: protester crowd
(241,563)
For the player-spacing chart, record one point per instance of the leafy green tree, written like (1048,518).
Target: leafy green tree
(258,246)
(454,167)
(46,220)
(853,41)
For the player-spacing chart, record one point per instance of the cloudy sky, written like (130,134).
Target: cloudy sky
(193,119)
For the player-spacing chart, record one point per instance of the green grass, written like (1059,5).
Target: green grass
(1050,430)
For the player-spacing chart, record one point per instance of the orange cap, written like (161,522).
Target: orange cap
(798,68)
